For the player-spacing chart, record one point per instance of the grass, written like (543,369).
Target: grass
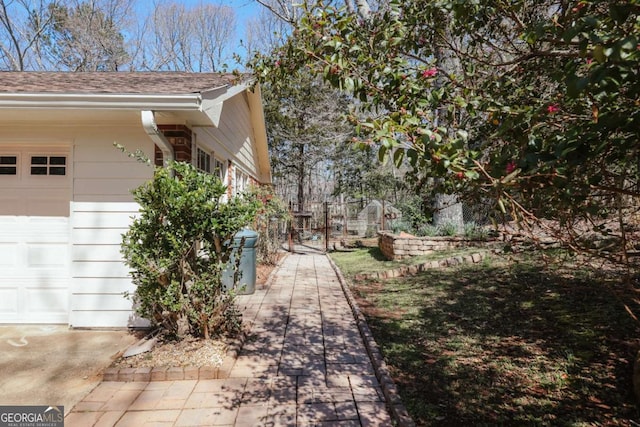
(505,343)
(352,261)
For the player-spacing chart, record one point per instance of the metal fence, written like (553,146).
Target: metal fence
(334,224)
(331,224)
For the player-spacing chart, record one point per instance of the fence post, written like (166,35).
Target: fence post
(291,231)
(326,226)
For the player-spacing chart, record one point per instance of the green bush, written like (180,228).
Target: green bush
(475,231)
(178,247)
(272,211)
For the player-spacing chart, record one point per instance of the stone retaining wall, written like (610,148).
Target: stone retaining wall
(412,270)
(399,246)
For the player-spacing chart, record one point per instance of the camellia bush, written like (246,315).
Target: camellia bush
(530,105)
(178,248)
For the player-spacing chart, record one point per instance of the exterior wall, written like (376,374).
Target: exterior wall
(101,205)
(394,246)
(99,211)
(102,208)
(180,137)
(232,141)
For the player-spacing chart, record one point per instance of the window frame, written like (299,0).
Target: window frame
(48,166)
(15,165)
(201,151)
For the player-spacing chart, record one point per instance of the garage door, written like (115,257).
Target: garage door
(35,190)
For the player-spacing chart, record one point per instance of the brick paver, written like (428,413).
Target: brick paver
(303,363)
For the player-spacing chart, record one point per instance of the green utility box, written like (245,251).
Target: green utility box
(247,265)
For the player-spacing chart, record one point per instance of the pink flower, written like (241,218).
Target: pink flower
(429,72)
(553,108)
(511,166)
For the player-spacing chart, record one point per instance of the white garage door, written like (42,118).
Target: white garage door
(35,190)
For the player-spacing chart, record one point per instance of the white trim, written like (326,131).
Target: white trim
(101,101)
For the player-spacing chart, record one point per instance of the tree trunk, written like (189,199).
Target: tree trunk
(448,210)
(301,173)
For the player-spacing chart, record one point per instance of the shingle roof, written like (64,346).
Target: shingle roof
(112,82)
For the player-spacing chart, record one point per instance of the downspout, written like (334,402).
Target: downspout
(151,128)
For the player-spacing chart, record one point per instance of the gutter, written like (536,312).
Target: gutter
(101,101)
(158,138)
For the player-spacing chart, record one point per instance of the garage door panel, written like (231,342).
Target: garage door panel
(34,240)
(8,254)
(8,304)
(43,202)
(41,301)
(47,207)
(12,206)
(47,255)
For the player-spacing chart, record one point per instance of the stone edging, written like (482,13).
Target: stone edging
(179,372)
(187,372)
(396,407)
(412,270)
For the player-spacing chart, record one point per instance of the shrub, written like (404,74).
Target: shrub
(272,211)
(398,225)
(428,230)
(448,229)
(475,232)
(178,247)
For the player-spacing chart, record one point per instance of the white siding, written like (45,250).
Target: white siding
(99,277)
(101,211)
(233,139)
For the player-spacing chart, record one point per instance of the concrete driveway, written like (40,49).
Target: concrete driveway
(54,365)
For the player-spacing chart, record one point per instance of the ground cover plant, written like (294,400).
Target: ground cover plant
(507,342)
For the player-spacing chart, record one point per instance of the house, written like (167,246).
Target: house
(65,190)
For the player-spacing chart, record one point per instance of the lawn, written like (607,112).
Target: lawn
(513,342)
(371,260)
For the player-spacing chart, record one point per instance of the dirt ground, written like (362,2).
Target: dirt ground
(188,352)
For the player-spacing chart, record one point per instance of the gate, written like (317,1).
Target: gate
(334,225)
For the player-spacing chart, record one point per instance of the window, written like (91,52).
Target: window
(242,182)
(49,165)
(8,165)
(220,170)
(203,160)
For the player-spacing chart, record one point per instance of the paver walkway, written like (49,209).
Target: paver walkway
(304,363)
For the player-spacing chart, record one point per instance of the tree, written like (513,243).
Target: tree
(22,25)
(542,118)
(304,123)
(86,36)
(194,39)
(265,33)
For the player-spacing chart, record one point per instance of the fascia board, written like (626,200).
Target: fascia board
(101,101)
(260,132)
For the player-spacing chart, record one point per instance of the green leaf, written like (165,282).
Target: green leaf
(598,54)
